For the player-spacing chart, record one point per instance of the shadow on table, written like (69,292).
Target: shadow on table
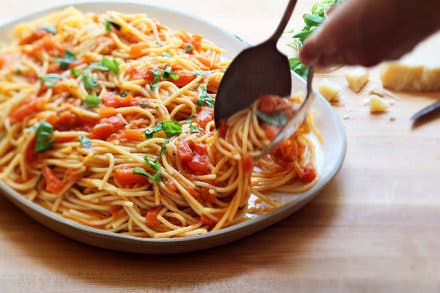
(281,245)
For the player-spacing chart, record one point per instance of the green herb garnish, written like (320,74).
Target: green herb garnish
(68,58)
(170,128)
(112,65)
(92,101)
(140,171)
(90,83)
(156,79)
(97,66)
(169,73)
(144,104)
(75,72)
(109,24)
(205,98)
(188,49)
(50,79)
(155,165)
(50,28)
(312,21)
(84,141)
(44,136)
(278,119)
(166,54)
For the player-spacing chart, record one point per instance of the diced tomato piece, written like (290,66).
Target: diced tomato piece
(270,130)
(199,165)
(206,61)
(308,173)
(116,101)
(133,135)
(53,184)
(28,109)
(106,127)
(49,45)
(185,77)
(207,196)
(63,139)
(193,192)
(151,216)
(271,103)
(66,120)
(141,74)
(125,177)
(34,36)
(71,174)
(194,157)
(196,41)
(136,50)
(248,163)
(205,116)
(170,185)
(198,148)
(106,112)
(184,151)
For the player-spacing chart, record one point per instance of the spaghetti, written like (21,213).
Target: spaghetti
(107,120)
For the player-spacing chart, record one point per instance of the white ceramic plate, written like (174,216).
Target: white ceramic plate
(330,154)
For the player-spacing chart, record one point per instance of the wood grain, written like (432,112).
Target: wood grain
(374,228)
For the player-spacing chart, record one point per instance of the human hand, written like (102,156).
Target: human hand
(366,32)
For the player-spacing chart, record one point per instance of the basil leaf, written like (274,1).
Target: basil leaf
(50,28)
(171,128)
(166,55)
(140,171)
(92,101)
(89,82)
(97,66)
(49,80)
(156,79)
(149,132)
(278,119)
(163,148)
(168,73)
(155,165)
(205,98)
(123,94)
(108,26)
(144,104)
(68,58)
(44,136)
(113,65)
(188,49)
(84,141)
(312,19)
(75,72)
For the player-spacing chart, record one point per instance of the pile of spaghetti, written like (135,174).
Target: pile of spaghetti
(107,120)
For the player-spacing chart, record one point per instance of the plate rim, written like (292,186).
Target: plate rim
(282,212)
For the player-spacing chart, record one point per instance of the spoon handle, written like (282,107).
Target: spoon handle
(284,20)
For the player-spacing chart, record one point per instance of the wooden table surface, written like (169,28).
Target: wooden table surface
(374,228)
